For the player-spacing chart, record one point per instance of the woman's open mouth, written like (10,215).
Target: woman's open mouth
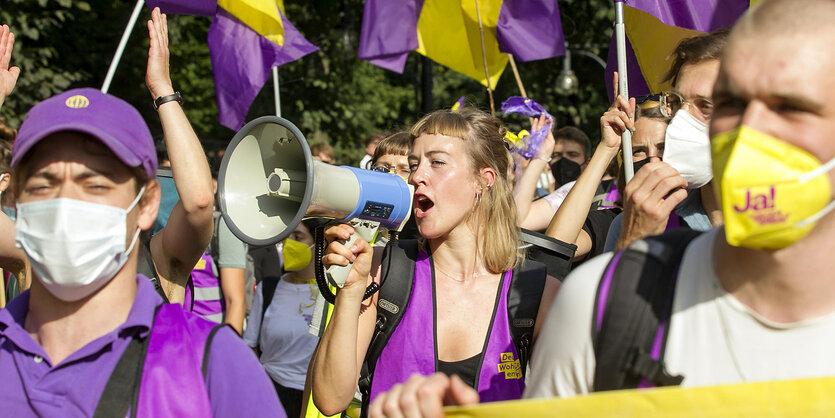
(422,205)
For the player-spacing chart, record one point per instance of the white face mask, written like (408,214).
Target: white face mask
(75,247)
(687,149)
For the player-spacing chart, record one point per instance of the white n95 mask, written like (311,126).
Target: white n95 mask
(75,247)
(687,149)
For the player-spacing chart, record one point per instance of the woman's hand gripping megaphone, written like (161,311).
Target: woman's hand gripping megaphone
(346,249)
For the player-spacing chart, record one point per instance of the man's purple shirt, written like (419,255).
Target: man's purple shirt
(30,385)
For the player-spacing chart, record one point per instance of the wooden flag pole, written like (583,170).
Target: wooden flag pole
(484,58)
(516,75)
(121,48)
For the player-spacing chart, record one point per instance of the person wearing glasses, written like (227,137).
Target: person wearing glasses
(576,221)
(651,203)
(391,156)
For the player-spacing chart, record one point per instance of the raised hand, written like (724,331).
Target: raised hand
(546,148)
(157,76)
(617,119)
(649,198)
(8,75)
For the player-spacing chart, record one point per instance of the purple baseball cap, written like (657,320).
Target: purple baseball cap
(107,118)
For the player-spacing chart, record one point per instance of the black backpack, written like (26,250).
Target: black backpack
(397,275)
(636,293)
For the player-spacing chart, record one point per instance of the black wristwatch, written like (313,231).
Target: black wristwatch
(170,98)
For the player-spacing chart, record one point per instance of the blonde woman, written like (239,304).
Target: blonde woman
(456,321)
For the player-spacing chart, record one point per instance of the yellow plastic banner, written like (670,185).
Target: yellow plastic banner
(806,398)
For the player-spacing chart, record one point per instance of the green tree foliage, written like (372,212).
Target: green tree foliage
(37,26)
(331,95)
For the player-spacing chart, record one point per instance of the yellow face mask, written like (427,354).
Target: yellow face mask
(772,192)
(296,255)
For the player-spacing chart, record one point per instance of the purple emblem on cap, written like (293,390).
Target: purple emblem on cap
(107,118)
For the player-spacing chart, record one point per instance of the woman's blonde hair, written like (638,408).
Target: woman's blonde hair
(483,137)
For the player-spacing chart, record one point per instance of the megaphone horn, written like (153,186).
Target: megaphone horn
(268,182)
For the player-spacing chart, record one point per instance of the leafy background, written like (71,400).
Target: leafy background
(331,95)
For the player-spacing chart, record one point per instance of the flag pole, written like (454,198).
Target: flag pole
(484,58)
(275,91)
(121,48)
(516,75)
(623,86)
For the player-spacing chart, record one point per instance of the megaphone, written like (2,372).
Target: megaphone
(268,182)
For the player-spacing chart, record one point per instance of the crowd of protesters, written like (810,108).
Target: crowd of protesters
(125,292)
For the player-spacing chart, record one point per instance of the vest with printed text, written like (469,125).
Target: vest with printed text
(411,348)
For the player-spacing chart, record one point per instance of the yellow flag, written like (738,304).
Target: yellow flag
(653,43)
(448,34)
(260,15)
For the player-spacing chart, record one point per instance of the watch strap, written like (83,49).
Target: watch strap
(170,98)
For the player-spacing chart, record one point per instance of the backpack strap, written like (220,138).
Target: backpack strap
(207,348)
(121,392)
(175,331)
(632,311)
(214,248)
(523,302)
(396,279)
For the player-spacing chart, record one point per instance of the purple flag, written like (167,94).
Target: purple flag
(242,61)
(528,146)
(700,15)
(389,32)
(184,7)
(530,29)
(635,80)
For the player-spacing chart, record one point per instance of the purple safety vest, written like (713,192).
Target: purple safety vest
(411,347)
(172,383)
(612,196)
(207,298)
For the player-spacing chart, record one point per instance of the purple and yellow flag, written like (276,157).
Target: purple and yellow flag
(447,32)
(184,7)
(247,39)
(655,27)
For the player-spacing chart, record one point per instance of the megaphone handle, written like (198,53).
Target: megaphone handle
(362,229)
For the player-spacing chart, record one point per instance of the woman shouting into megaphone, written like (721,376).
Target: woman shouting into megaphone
(468,262)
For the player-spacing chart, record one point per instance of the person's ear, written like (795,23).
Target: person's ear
(149,205)
(5,181)
(488,177)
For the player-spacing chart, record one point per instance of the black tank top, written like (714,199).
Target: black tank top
(465,369)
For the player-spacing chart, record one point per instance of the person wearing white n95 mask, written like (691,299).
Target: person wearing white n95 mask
(687,149)
(90,328)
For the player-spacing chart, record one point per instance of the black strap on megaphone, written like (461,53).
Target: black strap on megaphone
(321,280)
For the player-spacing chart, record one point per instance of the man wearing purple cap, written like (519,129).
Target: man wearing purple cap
(91,337)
